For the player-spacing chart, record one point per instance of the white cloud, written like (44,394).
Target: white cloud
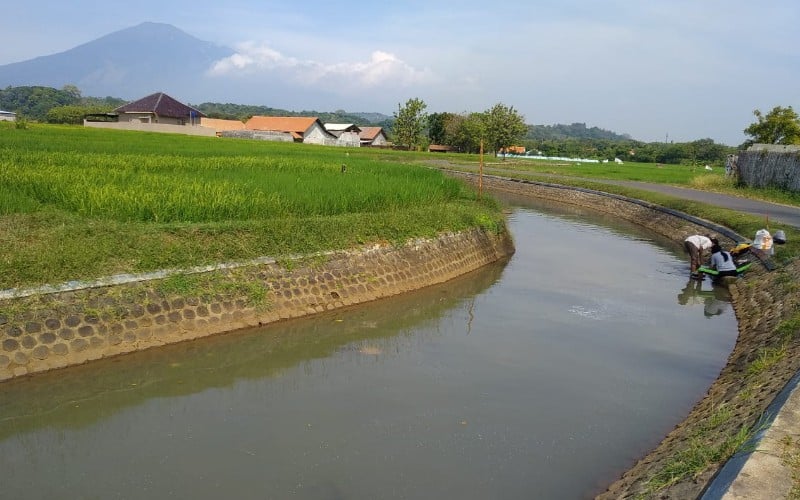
(381,69)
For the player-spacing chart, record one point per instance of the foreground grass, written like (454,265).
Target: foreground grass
(81,203)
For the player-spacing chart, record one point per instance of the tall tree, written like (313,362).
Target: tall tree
(779,126)
(437,123)
(504,127)
(463,131)
(409,123)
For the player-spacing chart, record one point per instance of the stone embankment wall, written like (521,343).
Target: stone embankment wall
(40,332)
(770,165)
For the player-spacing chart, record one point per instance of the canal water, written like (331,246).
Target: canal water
(543,377)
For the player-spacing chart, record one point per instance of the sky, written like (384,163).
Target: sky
(657,70)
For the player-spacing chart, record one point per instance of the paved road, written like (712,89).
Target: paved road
(785,214)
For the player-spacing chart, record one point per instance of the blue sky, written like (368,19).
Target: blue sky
(657,70)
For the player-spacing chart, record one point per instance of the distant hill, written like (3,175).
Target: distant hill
(574,131)
(130,63)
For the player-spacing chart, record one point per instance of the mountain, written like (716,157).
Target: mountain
(130,63)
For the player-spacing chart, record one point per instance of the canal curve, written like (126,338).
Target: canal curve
(545,376)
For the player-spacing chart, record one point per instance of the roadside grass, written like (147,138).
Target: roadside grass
(704,448)
(79,203)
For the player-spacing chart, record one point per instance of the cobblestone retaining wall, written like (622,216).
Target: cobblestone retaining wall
(47,331)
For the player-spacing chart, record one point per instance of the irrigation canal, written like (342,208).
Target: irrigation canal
(543,377)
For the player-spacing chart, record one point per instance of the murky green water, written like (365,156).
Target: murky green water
(542,378)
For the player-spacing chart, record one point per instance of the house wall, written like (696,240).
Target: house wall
(151,118)
(8,117)
(154,127)
(317,135)
(380,140)
(349,139)
(262,135)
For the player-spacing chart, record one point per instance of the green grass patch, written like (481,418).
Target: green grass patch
(79,203)
(765,359)
(229,283)
(788,329)
(704,449)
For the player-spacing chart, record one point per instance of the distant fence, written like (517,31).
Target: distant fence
(154,127)
(269,135)
(770,165)
(259,135)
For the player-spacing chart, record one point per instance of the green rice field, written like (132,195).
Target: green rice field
(80,203)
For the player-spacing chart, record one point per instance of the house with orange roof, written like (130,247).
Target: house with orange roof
(373,136)
(304,129)
(219,125)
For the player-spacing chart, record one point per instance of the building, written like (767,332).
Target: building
(513,150)
(346,133)
(155,113)
(373,136)
(219,125)
(159,108)
(7,116)
(309,130)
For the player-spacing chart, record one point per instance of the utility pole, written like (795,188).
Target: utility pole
(480,174)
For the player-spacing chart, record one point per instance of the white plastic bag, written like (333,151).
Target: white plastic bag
(763,241)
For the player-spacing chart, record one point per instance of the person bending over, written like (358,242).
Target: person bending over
(696,245)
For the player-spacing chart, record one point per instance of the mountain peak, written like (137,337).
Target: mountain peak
(128,63)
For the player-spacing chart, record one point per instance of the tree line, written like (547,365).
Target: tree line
(46,104)
(502,126)
(496,129)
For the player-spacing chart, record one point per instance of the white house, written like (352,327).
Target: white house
(7,116)
(304,129)
(347,133)
(373,136)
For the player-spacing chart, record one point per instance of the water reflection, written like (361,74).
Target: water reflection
(82,395)
(714,300)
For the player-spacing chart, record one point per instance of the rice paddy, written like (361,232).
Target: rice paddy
(77,203)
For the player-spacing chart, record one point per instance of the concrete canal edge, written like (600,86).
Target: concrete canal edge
(56,327)
(764,362)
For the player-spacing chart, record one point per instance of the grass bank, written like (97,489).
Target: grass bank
(592,177)
(677,175)
(80,203)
